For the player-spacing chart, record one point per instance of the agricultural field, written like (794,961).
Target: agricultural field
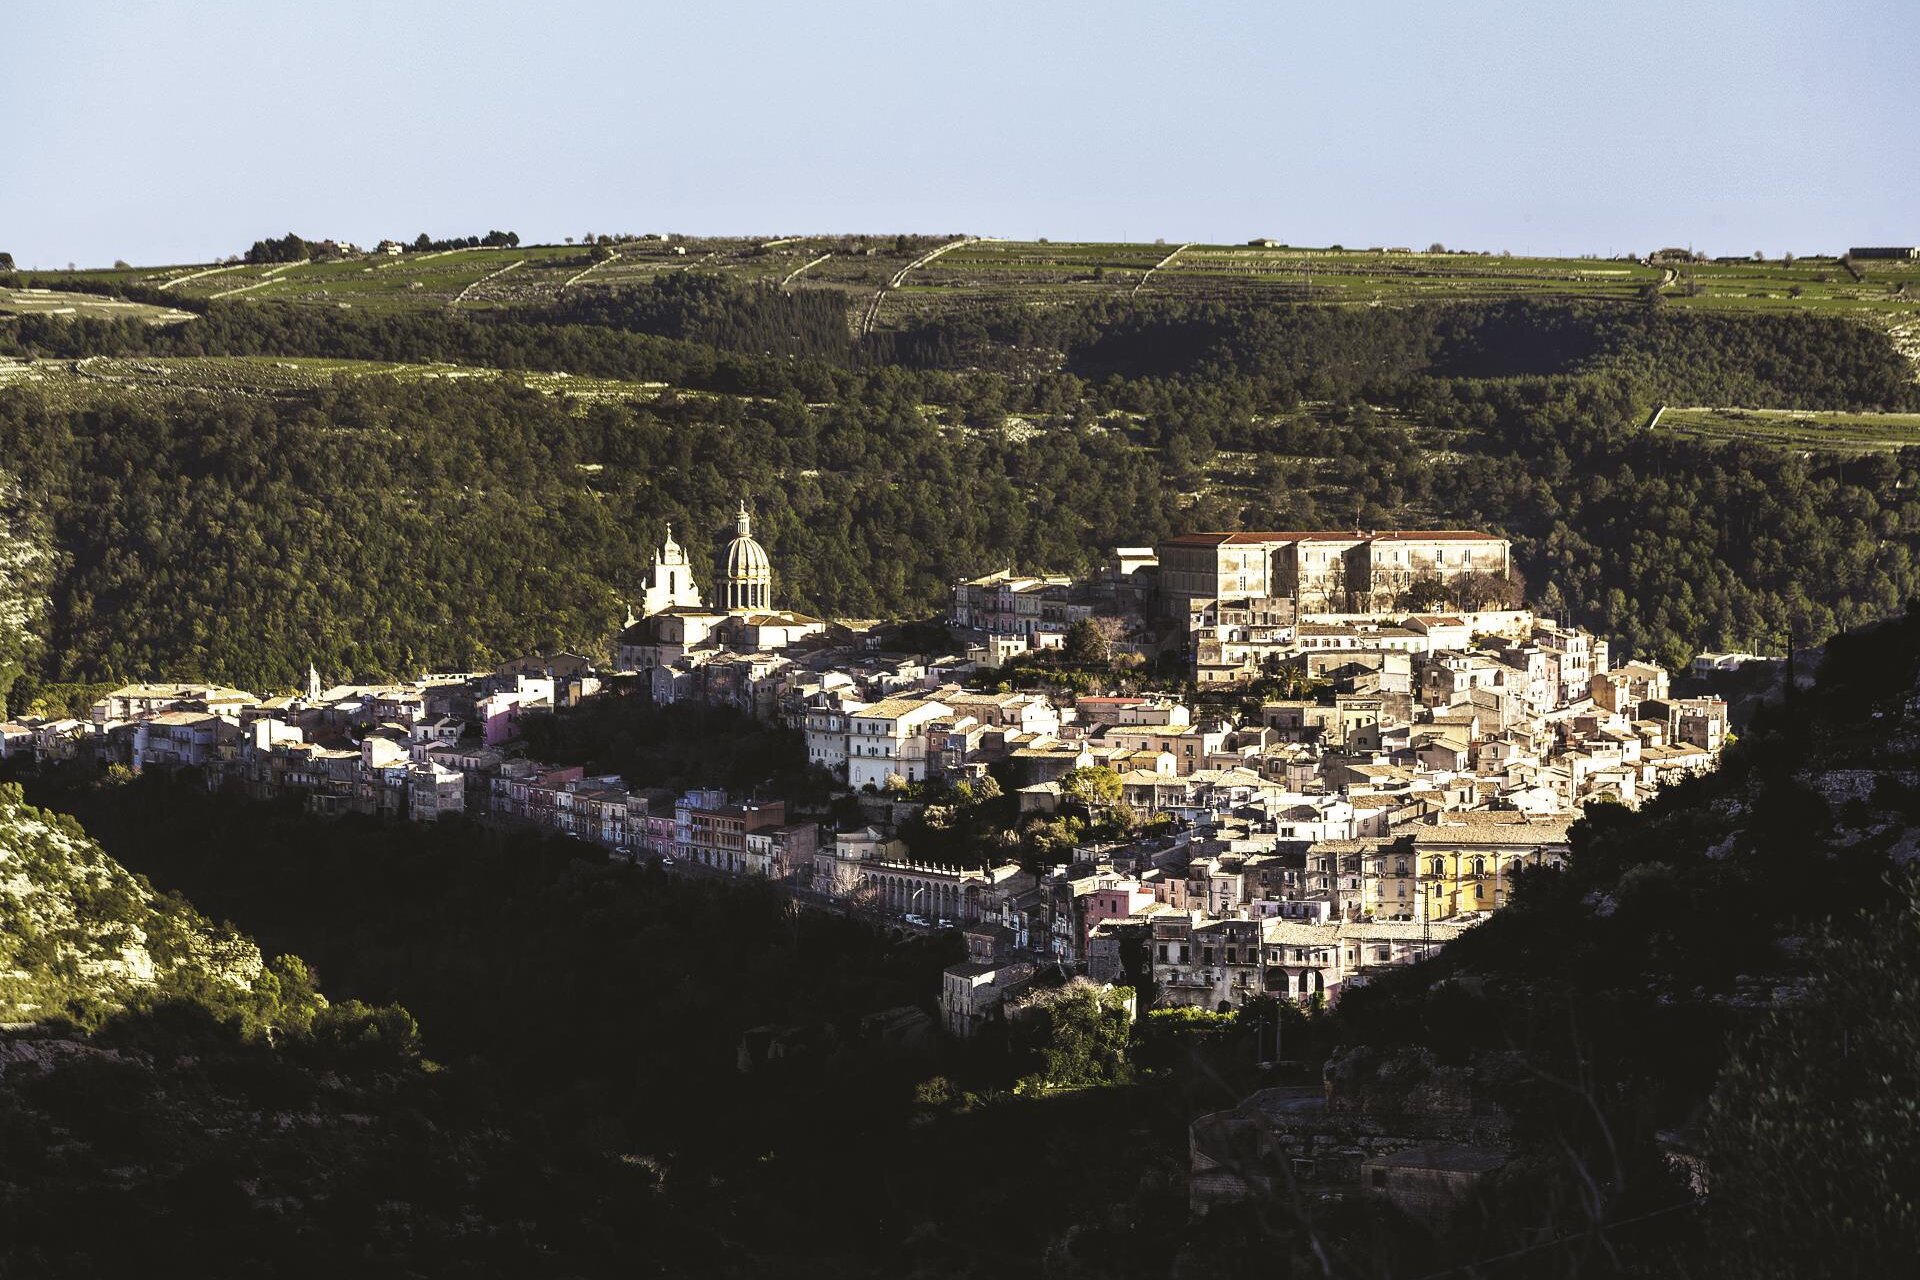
(1798,430)
(103,378)
(1031,271)
(54,302)
(886,283)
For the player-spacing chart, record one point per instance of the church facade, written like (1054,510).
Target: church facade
(674,626)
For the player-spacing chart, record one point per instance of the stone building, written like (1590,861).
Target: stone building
(1322,570)
(675,630)
(671,584)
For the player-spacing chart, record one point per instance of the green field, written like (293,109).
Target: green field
(992,272)
(1798,430)
(55,302)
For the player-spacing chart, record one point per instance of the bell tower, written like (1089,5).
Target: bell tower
(670,584)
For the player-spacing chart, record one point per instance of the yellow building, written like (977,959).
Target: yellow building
(1467,862)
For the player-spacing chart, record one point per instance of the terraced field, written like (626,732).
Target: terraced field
(1012,271)
(1799,430)
(985,272)
(493,277)
(112,378)
(55,302)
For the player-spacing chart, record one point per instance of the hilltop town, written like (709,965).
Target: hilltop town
(1267,762)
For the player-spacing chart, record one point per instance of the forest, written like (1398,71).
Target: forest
(376,527)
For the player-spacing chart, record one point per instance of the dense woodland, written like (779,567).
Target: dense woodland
(378,527)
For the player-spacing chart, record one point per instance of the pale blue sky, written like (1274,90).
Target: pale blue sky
(164,132)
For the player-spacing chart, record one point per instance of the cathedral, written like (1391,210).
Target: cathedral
(671,585)
(749,573)
(674,625)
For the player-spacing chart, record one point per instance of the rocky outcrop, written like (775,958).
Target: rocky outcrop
(81,936)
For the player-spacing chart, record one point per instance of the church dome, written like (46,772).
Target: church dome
(749,573)
(747,558)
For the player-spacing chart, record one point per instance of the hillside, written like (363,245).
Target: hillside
(157,1076)
(886,282)
(83,939)
(276,485)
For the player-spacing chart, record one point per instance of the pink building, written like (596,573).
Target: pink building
(1114,902)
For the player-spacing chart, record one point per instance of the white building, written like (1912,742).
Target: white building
(670,585)
(889,738)
(828,719)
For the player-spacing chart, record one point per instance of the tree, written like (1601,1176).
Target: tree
(1074,1037)
(1055,839)
(6,262)
(288,248)
(1426,593)
(1095,788)
(1809,1127)
(1090,641)
(24,693)
(1479,589)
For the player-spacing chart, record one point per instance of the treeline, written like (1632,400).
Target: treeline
(716,312)
(227,329)
(703,331)
(424,243)
(288,248)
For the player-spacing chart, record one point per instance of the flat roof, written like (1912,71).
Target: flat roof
(1244,537)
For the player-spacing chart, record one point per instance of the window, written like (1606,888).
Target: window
(1379,1177)
(1206,955)
(1437,867)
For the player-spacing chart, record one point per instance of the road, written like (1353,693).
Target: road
(1166,261)
(899,277)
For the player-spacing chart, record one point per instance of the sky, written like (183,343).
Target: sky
(160,131)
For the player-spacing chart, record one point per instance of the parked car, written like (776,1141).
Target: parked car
(919,920)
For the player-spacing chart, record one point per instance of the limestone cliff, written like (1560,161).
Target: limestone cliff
(80,936)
